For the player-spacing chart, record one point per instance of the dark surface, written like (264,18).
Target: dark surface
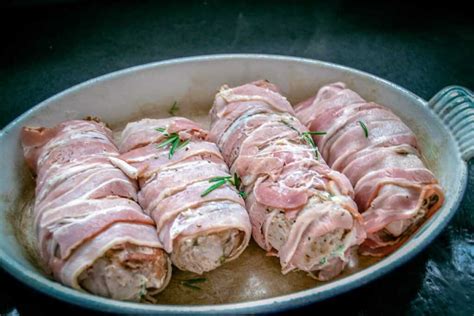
(48,48)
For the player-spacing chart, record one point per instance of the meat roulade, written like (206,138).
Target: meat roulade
(185,186)
(379,154)
(301,210)
(90,232)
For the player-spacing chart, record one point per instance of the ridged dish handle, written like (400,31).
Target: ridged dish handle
(455,106)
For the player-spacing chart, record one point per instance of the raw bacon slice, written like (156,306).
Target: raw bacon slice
(91,233)
(174,166)
(379,154)
(301,210)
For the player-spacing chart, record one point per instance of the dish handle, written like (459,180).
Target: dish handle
(454,105)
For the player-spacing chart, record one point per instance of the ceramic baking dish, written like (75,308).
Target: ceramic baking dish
(251,284)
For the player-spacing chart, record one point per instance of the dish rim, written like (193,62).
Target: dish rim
(50,287)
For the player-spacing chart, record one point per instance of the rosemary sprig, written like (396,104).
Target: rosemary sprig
(174,108)
(171,139)
(317,133)
(289,125)
(306,137)
(191,286)
(196,280)
(220,181)
(364,127)
(190,283)
(216,185)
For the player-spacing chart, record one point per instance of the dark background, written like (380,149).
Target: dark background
(48,46)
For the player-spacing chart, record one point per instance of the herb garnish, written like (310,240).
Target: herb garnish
(190,283)
(173,140)
(319,133)
(173,109)
(364,127)
(143,290)
(307,138)
(220,181)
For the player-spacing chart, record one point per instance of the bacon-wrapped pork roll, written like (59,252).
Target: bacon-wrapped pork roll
(90,232)
(379,154)
(300,209)
(185,186)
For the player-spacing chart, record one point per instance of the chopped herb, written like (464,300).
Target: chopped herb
(222,259)
(364,127)
(191,286)
(306,137)
(171,139)
(190,283)
(220,181)
(216,179)
(143,290)
(213,187)
(289,125)
(166,142)
(339,251)
(236,181)
(317,133)
(323,260)
(196,280)
(243,194)
(173,109)
(183,144)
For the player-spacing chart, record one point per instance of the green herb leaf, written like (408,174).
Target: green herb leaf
(173,140)
(173,147)
(237,181)
(194,287)
(289,125)
(173,109)
(306,137)
(220,178)
(196,280)
(216,185)
(166,142)
(219,181)
(190,283)
(142,289)
(183,144)
(364,127)
(316,133)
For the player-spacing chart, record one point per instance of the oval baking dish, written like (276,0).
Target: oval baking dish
(444,127)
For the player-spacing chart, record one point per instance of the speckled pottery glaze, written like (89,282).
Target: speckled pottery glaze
(444,126)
